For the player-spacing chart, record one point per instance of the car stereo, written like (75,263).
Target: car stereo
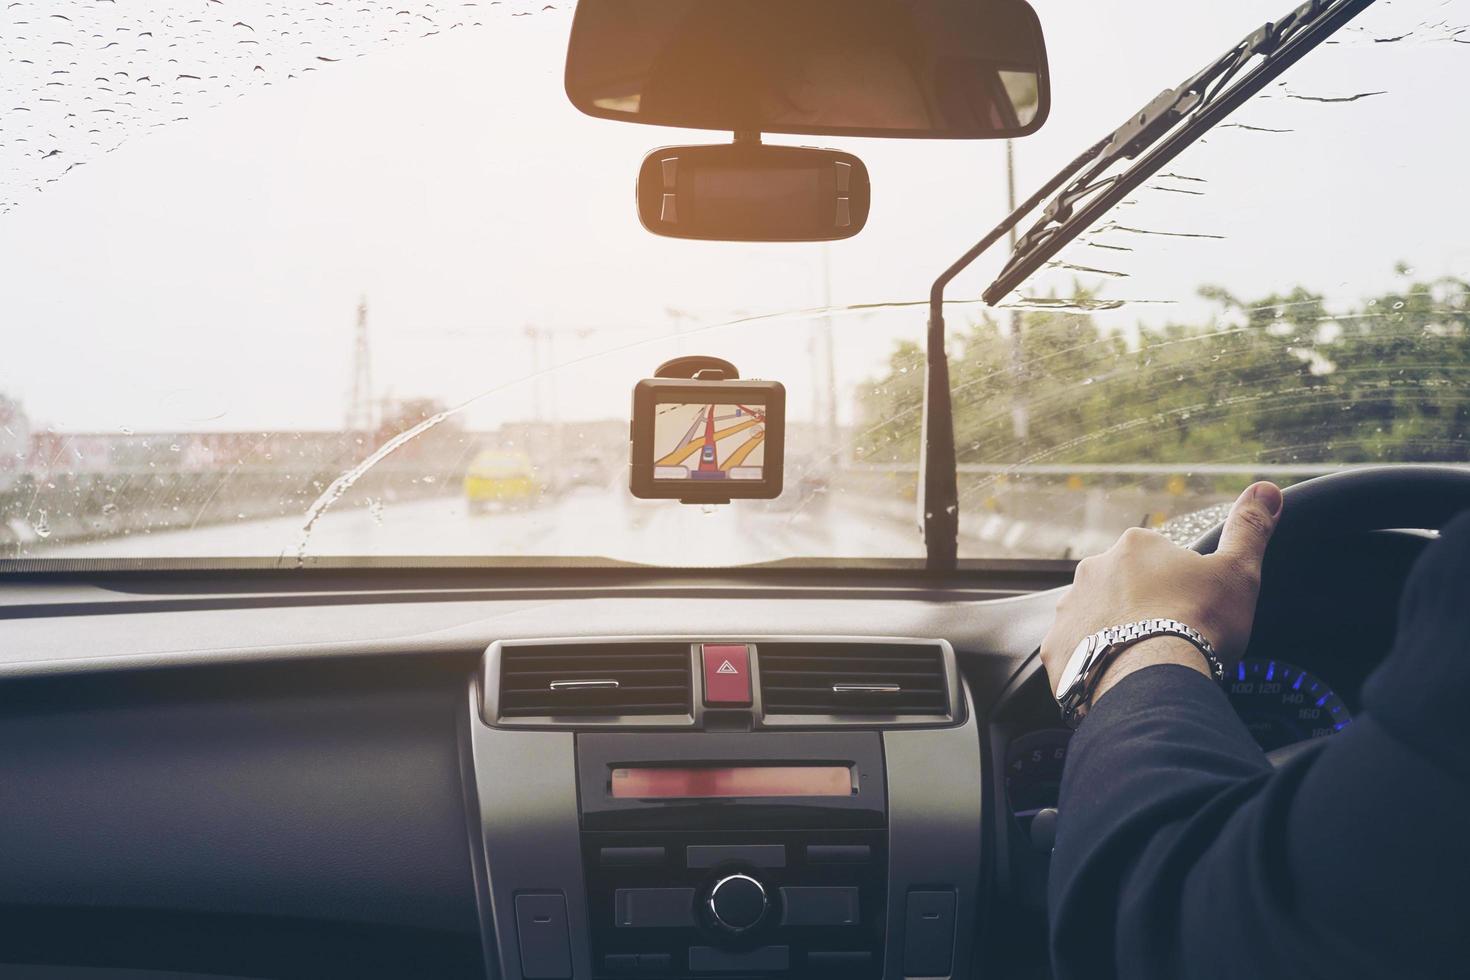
(724,807)
(751,854)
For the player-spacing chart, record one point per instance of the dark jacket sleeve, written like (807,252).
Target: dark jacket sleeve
(1181,854)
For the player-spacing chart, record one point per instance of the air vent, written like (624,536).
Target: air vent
(599,680)
(870,679)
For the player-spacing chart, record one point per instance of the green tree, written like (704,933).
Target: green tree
(1280,379)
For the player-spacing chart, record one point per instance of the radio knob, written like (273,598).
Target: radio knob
(737,902)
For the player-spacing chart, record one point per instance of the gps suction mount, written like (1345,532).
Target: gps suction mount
(697,367)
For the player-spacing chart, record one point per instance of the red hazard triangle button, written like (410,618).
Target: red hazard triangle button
(726,674)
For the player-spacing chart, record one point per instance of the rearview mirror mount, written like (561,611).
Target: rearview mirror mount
(750,192)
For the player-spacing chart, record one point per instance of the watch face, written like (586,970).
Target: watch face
(1075,664)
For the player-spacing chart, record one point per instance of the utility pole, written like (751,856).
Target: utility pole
(828,417)
(1020,418)
(360,402)
(677,318)
(545,400)
(534,334)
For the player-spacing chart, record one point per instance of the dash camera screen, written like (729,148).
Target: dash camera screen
(709,442)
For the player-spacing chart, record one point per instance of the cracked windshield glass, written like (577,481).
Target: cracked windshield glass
(355,280)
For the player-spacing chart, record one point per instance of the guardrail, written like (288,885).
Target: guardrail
(1140,469)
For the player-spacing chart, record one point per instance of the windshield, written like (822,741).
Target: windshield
(353,281)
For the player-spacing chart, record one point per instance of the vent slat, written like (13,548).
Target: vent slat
(860,675)
(850,669)
(557,661)
(653,679)
(541,678)
(869,711)
(829,659)
(601,669)
(905,692)
(672,692)
(797,678)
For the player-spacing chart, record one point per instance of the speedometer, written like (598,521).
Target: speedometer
(1034,771)
(1281,703)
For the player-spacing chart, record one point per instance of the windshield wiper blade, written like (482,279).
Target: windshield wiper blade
(1157,133)
(1163,128)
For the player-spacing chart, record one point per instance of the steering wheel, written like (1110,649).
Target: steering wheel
(1373,498)
(1352,501)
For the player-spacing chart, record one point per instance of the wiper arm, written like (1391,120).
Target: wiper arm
(1159,132)
(1163,128)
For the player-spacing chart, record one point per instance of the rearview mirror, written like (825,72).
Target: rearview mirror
(955,69)
(750,192)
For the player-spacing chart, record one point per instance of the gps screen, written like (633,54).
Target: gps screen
(708,442)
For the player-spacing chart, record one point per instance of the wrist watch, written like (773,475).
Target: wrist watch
(1085,666)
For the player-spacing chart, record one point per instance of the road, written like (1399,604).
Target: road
(587,521)
(607,522)
(711,439)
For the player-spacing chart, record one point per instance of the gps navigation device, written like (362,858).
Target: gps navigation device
(707,439)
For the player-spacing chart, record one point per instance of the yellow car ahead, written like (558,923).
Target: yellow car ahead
(500,479)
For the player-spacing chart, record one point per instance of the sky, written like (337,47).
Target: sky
(206,272)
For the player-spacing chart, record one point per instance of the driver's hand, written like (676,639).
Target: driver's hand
(1145,576)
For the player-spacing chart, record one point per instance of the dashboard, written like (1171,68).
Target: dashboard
(574,774)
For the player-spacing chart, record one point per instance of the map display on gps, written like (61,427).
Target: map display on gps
(708,442)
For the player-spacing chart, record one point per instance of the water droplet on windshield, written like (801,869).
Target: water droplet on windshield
(42,526)
(375,510)
(174,447)
(126,431)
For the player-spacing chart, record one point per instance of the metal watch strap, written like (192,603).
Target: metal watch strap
(1107,643)
(1133,632)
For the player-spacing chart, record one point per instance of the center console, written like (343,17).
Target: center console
(724,807)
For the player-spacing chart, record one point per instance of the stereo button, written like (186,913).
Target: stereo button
(838,853)
(842,961)
(653,908)
(652,964)
(631,857)
(756,855)
(764,959)
(737,902)
(620,964)
(819,906)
